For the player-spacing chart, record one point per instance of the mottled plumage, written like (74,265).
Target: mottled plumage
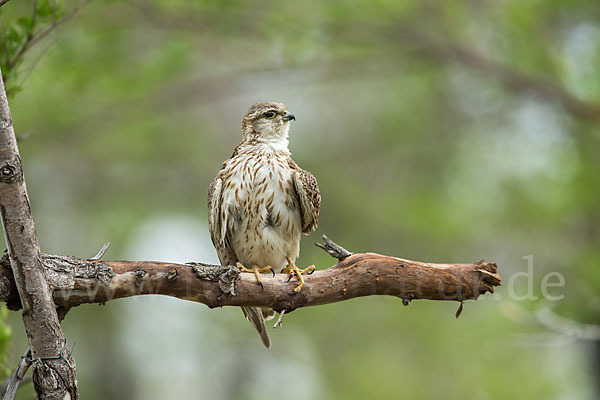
(261,200)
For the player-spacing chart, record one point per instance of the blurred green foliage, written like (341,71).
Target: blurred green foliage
(5,343)
(19,33)
(439,131)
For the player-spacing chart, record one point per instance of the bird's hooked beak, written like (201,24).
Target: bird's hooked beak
(288,117)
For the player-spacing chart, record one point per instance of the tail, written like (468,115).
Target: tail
(255,316)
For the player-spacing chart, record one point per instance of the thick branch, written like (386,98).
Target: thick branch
(364,274)
(54,374)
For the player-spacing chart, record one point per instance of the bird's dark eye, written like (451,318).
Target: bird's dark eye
(269,114)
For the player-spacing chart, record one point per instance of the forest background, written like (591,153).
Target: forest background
(438,131)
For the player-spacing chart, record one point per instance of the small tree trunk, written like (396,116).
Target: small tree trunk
(53,369)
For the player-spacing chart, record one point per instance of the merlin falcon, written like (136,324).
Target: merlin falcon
(260,202)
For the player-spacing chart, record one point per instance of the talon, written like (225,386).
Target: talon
(256,271)
(272,271)
(257,275)
(298,288)
(293,270)
(308,270)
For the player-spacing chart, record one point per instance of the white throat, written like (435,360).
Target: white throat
(274,144)
(272,140)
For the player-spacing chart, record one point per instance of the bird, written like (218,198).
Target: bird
(261,202)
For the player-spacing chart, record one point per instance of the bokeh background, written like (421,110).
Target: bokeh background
(438,131)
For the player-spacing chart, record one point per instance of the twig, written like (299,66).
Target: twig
(510,77)
(101,252)
(33,39)
(567,327)
(3,2)
(12,383)
(23,137)
(333,249)
(279,319)
(11,63)
(460,310)
(561,330)
(34,16)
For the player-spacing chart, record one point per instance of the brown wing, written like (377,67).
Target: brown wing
(217,224)
(217,221)
(309,197)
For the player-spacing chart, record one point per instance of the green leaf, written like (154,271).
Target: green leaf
(44,9)
(12,89)
(27,23)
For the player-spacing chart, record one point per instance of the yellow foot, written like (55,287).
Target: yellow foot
(256,271)
(293,270)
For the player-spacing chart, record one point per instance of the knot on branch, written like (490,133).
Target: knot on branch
(11,171)
(225,275)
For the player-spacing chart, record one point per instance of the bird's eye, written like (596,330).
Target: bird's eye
(269,114)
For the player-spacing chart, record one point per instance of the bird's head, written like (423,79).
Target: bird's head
(266,122)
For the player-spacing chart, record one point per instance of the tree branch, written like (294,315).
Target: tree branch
(54,371)
(77,281)
(442,49)
(9,388)
(510,77)
(32,38)
(567,327)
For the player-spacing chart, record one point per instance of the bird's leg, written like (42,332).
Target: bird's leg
(293,270)
(256,271)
